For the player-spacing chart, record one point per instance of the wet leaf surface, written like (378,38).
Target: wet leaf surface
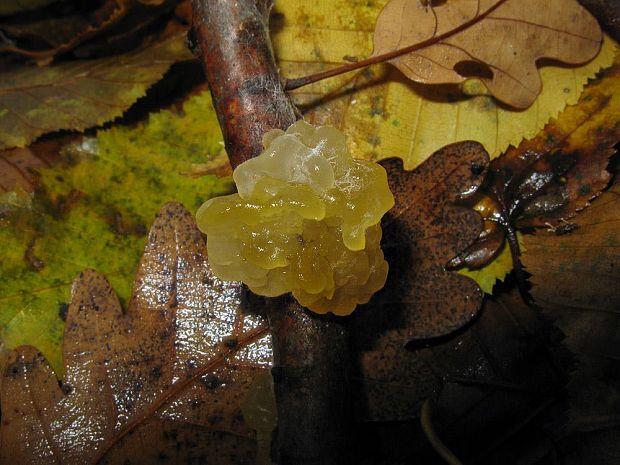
(496,41)
(80,94)
(547,180)
(168,380)
(384,113)
(92,209)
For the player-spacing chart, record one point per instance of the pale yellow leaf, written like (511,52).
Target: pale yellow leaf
(383,112)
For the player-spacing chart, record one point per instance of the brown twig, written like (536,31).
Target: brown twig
(310,353)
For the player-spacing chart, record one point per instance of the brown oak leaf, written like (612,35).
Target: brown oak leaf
(166,381)
(496,41)
(421,299)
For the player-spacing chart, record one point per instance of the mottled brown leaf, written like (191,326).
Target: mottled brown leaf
(423,230)
(79,94)
(496,41)
(166,381)
(420,299)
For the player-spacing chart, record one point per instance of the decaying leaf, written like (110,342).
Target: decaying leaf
(19,166)
(79,94)
(10,7)
(384,113)
(546,180)
(491,385)
(92,210)
(43,37)
(496,41)
(163,382)
(421,232)
(575,279)
(579,268)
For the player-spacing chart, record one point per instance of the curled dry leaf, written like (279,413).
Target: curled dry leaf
(544,181)
(496,41)
(79,95)
(173,372)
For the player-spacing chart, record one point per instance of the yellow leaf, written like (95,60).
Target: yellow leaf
(384,113)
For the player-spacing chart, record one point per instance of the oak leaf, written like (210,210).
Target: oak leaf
(166,381)
(79,94)
(75,220)
(386,114)
(420,234)
(496,41)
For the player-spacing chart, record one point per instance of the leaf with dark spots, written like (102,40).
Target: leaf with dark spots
(421,233)
(493,387)
(547,180)
(159,374)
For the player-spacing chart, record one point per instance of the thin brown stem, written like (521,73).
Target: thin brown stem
(295,83)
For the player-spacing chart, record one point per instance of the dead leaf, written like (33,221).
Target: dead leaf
(421,232)
(11,7)
(46,35)
(79,95)
(494,387)
(546,180)
(19,166)
(575,279)
(384,113)
(164,381)
(580,269)
(496,41)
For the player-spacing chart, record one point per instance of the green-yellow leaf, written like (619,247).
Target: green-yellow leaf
(93,211)
(384,113)
(79,94)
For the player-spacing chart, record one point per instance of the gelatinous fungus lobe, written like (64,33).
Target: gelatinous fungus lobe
(306,220)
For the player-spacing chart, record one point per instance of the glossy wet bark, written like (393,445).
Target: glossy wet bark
(310,353)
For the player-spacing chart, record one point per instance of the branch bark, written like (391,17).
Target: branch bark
(310,353)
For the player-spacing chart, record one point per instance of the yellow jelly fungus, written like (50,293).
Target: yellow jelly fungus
(305,220)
